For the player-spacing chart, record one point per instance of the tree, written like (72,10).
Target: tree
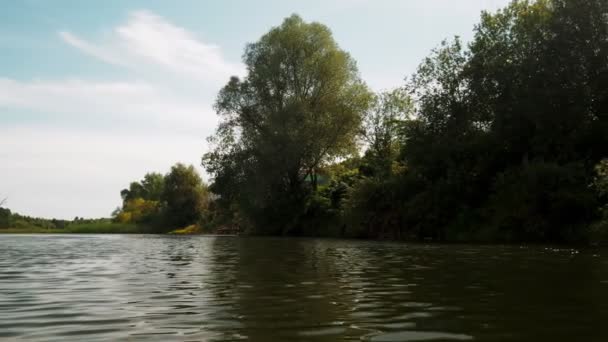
(538,70)
(498,140)
(5,218)
(381,130)
(153,185)
(184,196)
(299,106)
(445,145)
(149,188)
(138,210)
(505,135)
(538,73)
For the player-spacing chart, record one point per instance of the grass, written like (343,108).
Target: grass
(81,228)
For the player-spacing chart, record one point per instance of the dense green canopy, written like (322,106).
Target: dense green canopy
(495,140)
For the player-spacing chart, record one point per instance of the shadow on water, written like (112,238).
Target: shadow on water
(282,289)
(319,290)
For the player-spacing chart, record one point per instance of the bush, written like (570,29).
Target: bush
(541,202)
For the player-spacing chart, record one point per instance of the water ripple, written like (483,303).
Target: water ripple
(166,288)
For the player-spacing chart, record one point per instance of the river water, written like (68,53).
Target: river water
(197,288)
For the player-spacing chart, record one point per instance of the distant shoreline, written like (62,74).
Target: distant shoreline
(113,228)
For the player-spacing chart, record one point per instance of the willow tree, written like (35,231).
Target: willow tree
(299,106)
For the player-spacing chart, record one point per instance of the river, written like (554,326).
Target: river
(201,288)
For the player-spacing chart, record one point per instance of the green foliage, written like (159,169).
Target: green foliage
(504,139)
(22,221)
(27,224)
(382,126)
(542,202)
(185,197)
(394,208)
(175,200)
(138,210)
(505,135)
(99,226)
(5,217)
(496,140)
(537,73)
(150,188)
(300,106)
(105,227)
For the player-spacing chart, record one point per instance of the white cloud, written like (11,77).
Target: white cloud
(147,38)
(91,49)
(95,139)
(90,138)
(77,101)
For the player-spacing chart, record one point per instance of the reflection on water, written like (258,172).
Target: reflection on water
(228,289)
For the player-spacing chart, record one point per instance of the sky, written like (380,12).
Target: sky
(94,94)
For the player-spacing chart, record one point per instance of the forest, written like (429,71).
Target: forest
(500,139)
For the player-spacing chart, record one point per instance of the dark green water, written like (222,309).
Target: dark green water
(161,288)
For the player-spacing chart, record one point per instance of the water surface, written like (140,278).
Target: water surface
(195,288)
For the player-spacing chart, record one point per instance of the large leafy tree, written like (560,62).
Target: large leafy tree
(141,201)
(299,106)
(184,196)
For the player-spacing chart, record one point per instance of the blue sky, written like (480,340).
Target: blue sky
(95,94)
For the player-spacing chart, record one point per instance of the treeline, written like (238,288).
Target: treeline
(503,139)
(156,204)
(9,219)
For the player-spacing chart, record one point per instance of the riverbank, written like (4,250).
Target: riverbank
(103,228)
(109,227)
(86,228)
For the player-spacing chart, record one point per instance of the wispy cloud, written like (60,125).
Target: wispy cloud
(144,105)
(91,137)
(150,39)
(98,52)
